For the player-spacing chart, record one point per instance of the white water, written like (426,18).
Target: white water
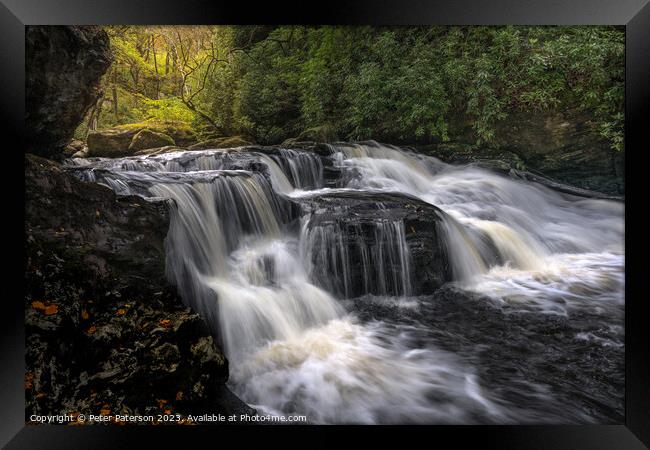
(553,247)
(293,347)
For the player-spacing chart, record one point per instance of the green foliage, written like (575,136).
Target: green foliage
(169,109)
(398,84)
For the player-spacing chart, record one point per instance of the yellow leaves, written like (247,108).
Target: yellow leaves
(121,312)
(165,323)
(46,308)
(38,305)
(91,330)
(29,380)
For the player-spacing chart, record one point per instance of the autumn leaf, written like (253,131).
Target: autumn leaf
(161,403)
(168,411)
(46,308)
(91,330)
(29,378)
(51,309)
(85,315)
(121,312)
(165,323)
(38,305)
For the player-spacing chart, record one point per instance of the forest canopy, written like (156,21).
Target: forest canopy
(394,84)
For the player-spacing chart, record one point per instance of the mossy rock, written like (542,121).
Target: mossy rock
(146,139)
(113,143)
(222,142)
(183,133)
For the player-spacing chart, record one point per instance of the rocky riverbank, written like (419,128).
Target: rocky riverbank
(105,332)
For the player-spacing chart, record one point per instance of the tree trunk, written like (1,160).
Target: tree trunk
(93,118)
(114,88)
(155,65)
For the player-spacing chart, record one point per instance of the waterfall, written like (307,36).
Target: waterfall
(491,220)
(304,169)
(280,277)
(382,253)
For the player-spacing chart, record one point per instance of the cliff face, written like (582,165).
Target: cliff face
(64,65)
(562,145)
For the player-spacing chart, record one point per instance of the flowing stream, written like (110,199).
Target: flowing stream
(528,328)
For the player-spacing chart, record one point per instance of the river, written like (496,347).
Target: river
(527,328)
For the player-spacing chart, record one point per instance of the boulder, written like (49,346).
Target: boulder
(146,139)
(182,133)
(367,228)
(73,147)
(83,153)
(104,329)
(223,142)
(64,65)
(111,143)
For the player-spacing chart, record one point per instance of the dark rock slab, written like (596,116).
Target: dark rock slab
(358,217)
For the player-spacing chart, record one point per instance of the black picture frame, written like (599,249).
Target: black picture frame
(633,14)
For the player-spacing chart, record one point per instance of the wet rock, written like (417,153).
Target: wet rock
(159,150)
(367,227)
(222,142)
(83,153)
(566,146)
(104,329)
(64,65)
(166,358)
(75,146)
(147,139)
(182,133)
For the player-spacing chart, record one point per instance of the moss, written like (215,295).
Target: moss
(183,133)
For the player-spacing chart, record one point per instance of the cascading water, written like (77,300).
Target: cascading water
(382,252)
(317,316)
(498,228)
